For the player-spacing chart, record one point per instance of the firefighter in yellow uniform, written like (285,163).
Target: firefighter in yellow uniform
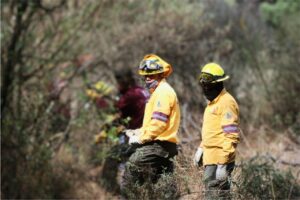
(157,139)
(220,132)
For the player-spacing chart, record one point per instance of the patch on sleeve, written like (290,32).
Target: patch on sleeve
(228,115)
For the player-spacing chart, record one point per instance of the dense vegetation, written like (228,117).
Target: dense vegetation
(52,51)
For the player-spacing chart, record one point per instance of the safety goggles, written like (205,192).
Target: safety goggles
(206,78)
(150,66)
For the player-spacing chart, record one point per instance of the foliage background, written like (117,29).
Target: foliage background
(52,50)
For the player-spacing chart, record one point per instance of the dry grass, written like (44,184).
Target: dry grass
(74,161)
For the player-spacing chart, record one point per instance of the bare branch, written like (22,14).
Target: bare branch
(49,8)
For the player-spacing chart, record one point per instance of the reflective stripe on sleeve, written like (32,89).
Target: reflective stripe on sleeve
(232,128)
(160,116)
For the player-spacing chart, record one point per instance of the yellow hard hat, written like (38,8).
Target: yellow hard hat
(153,64)
(92,94)
(103,88)
(212,73)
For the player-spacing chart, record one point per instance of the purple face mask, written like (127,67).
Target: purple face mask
(152,84)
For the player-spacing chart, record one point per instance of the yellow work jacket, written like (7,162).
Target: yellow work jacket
(220,130)
(162,115)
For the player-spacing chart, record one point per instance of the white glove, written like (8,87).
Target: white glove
(134,136)
(198,157)
(221,172)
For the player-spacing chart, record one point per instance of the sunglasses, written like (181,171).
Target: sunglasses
(150,65)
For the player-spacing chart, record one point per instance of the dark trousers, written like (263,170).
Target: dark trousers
(214,188)
(117,155)
(148,162)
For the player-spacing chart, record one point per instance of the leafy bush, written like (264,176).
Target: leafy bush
(258,179)
(26,170)
(165,188)
(274,12)
(35,50)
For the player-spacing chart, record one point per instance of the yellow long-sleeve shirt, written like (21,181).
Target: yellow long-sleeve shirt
(162,115)
(220,130)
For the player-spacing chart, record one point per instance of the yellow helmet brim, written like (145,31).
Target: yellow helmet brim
(222,79)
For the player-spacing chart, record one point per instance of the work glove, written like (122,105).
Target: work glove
(198,157)
(134,136)
(221,172)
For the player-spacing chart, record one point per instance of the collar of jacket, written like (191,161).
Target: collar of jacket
(160,82)
(218,97)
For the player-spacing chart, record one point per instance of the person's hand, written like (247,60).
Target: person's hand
(198,157)
(221,172)
(134,136)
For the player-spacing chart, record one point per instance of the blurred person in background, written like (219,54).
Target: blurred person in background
(130,104)
(220,133)
(132,98)
(60,100)
(156,141)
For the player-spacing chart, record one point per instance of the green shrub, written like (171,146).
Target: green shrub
(165,188)
(259,179)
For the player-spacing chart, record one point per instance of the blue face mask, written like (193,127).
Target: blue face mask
(152,84)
